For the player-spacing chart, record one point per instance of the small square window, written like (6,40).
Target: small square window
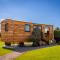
(27,27)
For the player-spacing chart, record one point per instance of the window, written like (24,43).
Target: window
(34,27)
(27,27)
(46,29)
(38,27)
(6,27)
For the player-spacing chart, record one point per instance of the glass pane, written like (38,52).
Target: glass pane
(46,29)
(27,27)
(6,27)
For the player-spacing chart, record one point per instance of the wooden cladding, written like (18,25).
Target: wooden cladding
(18,31)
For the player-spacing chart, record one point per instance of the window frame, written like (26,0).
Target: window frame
(25,28)
(6,27)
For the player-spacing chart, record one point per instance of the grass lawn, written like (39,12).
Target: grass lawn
(2,50)
(49,53)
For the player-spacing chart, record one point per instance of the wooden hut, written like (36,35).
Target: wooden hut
(13,31)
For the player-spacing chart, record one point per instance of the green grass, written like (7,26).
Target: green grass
(2,50)
(50,53)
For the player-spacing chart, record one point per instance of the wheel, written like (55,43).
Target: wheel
(21,44)
(7,44)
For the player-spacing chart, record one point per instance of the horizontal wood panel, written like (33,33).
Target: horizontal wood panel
(16,30)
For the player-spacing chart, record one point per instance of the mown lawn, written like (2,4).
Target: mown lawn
(2,50)
(50,53)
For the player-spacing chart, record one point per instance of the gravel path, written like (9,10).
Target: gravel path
(16,52)
(10,56)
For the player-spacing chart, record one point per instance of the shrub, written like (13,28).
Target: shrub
(57,36)
(36,36)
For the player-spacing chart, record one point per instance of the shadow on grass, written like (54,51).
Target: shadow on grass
(25,48)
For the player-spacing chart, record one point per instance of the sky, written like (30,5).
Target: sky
(36,11)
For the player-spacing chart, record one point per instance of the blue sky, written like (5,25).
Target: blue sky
(36,11)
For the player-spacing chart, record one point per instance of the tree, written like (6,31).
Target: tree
(57,28)
(36,36)
(57,36)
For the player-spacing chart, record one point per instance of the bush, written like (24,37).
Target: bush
(36,36)
(57,35)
